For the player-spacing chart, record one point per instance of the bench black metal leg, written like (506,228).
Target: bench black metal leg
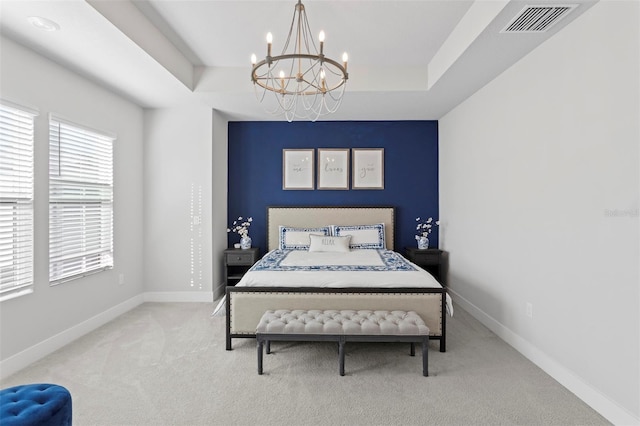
(341,355)
(265,340)
(228,324)
(412,352)
(260,343)
(425,356)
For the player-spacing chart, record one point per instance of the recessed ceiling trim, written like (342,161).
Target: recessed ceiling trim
(536,19)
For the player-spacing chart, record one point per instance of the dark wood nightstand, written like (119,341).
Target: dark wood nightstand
(431,260)
(237,262)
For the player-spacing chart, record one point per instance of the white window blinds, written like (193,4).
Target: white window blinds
(80,201)
(16,201)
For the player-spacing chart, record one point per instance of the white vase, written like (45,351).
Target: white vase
(245,242)
(423,243)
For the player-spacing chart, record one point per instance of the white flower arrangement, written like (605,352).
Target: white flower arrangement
(240,227)
(424,227)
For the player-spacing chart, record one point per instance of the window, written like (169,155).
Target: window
(80,201)
(16,201)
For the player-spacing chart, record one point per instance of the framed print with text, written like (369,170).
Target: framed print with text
(333,168)
(368,168)
(297,169)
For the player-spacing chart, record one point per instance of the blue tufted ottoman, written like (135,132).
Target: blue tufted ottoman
(36,404)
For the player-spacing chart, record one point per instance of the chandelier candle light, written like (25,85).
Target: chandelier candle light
(305,83)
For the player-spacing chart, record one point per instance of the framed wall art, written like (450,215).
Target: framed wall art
(297,169)
(368,168)
(333,168)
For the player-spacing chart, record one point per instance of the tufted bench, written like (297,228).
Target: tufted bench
(343,326)
(35,405)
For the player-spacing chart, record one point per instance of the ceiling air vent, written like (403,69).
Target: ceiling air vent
(536,19)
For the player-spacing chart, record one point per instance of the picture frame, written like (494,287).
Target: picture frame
(367,168)
(333,168)
(297,169)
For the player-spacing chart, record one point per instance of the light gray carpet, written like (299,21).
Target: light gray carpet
(166,364)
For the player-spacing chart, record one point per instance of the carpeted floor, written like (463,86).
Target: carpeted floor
(166,364)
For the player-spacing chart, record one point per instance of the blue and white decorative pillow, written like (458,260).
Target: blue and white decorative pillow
(290,238)
(362,236)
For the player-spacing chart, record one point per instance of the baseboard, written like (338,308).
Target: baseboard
(179,296)
(219,291)
(591,396)
(30,355)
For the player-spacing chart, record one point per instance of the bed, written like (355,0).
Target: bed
(298,283)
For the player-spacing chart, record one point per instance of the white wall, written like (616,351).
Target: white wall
(48,318)
(539,187)
(219,199)
(178,203)
(169,177)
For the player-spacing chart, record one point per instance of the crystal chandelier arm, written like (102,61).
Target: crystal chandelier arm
(293,22)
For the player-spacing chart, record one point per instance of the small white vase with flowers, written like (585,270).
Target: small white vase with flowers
(424,228)
(241,227)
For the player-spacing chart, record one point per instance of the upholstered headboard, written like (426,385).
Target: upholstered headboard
(320,216)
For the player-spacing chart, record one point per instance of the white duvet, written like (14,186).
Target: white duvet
(356,268)
(329,269)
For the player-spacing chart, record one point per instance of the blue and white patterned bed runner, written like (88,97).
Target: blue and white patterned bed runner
(386,260)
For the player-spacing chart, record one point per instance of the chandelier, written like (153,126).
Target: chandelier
(301,82)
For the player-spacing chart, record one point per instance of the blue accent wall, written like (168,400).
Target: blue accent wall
(410,174)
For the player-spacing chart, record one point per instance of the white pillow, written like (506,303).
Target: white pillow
(290,238)
(362,236)
(324,243)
